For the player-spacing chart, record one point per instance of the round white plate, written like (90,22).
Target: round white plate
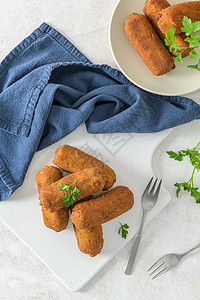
(179,81)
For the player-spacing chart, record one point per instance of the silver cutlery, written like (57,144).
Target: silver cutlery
(168,262)
(149,199)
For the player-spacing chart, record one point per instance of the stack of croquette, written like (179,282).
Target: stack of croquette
(147,32)
(92,176)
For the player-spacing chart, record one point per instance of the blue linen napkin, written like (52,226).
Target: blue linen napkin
(48,88)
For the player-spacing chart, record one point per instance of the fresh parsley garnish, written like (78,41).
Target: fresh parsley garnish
(194,157)
(192,38)
(72,191)
(177,156)
(123,230)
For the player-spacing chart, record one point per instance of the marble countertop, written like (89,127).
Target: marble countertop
(175,229)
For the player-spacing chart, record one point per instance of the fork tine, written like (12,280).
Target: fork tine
(148,186)
(158,268)
(153,187)
(161,272)
(155,264)
(158,188)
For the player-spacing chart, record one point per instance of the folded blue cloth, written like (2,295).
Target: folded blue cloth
(48,88)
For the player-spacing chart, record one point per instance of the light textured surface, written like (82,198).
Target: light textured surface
(175,229)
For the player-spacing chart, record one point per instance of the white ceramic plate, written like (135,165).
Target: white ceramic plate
(130,155)
(179,81)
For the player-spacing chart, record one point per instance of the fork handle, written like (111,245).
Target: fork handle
(133,253)
(192,249)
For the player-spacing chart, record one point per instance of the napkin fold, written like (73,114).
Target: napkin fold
(48,88)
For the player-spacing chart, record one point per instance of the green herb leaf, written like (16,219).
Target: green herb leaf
(187,23)
(186,31)
(67,200)
(197,66)
(123,230)
(167,42)
(193,67)
(72,191)
(65,187)
(178,189)
(193,39)
(193,55)
(76,191)
(196,26)
(170,35)
(177,156)
(196,194)
(179,58)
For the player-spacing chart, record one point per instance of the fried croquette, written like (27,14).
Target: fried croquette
(148,45)
(73,160)
(88,181)
(46,176)
(103,208)
(57,220)
(90,240)
(151,9)
(172,16)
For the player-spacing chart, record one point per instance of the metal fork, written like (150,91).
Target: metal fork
(149,199)
(168,262)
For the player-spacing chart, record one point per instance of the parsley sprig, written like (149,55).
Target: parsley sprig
(123,230)
(72,191)
(194,157)
(193,39)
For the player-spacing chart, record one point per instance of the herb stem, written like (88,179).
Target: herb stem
(196,146)
(191,180)
(194,157)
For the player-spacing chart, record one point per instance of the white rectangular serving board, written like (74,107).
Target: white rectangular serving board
(130,155)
